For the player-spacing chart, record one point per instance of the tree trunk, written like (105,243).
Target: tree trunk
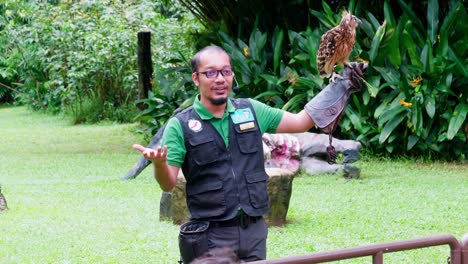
(145,66)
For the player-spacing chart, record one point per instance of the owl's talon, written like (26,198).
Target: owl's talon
(335,77)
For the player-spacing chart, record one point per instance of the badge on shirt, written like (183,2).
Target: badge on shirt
(195,125)
(242,116)
(247,125)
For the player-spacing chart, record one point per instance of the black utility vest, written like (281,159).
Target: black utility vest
(221,180)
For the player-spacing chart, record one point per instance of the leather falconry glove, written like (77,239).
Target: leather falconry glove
(328,105)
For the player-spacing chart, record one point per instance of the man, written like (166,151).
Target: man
(218,144)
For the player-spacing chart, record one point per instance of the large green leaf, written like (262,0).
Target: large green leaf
(384,104)
(416,117)
(390,126)
(427,58)
(388,14)
(446,27)
(407,44)
(268,93)
(277,47)
(374,21)
(460,64)
(367,28)
(323,19)
(458,117)
(271,79)
(309,81)
(294,102)
(391,47)
(257,42)
(373,90)
(430,106)
(413,17)
(376,41)
(390,113)
(389,74)
(354,118)
(412,140)
(432,20)
(352,6)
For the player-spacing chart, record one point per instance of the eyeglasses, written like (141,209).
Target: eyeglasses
(212,74)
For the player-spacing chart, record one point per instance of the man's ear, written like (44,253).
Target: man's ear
(195,79)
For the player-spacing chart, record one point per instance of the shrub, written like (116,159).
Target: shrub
(68,54)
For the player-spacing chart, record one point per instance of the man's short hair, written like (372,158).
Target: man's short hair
(196,58)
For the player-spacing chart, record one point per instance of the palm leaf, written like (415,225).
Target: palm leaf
(457,120)
(390,127)
(376,41)
(432,20)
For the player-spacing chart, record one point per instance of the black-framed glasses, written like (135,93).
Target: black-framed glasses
(212,74)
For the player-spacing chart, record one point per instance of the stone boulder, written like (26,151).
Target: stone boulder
(173,206)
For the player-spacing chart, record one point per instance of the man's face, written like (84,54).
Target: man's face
(213,90)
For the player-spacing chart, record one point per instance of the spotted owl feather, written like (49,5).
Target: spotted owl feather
(336,45)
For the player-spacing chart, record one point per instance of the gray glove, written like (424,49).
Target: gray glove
(326,107)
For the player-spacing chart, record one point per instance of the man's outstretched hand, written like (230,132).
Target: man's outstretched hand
(158,156)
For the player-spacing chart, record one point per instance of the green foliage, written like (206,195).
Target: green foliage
(81,57)
(417,98)
(414,103)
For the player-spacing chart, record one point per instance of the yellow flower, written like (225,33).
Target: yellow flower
(404,103)
(361,59)
(151,82)
(438,37)
(416,81)
(292,79)
(246,51)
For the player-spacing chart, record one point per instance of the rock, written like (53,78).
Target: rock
(314,166)
(279,189)
(173,205)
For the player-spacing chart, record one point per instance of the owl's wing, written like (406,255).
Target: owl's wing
(326,52)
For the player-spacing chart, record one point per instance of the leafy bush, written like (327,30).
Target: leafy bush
(417,102)
(81,57)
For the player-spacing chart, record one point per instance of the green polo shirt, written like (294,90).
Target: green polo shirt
(268,119)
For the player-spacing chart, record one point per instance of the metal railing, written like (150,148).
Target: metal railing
(458,252)
(464,248)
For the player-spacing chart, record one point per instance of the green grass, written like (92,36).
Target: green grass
(67,204)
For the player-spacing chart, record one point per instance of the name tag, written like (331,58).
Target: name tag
(242,116)
(248,125)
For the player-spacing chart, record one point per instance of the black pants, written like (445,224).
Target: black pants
(246,238)
(249,242)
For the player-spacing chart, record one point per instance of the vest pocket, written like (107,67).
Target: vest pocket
(206,199)
(257,187)
(248,142)
(204,150)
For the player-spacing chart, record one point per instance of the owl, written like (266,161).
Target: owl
(3,203)
(336,45)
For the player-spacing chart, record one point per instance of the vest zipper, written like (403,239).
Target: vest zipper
(237,188)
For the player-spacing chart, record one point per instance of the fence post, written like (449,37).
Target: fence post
(377,258)
(145,66)
(464,249)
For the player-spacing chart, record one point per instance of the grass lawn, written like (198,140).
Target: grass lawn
(68,204)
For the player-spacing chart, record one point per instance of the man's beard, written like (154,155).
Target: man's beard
(218,101)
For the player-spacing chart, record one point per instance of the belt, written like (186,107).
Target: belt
(242,220)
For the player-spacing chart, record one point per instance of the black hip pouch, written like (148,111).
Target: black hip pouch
(193,240)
